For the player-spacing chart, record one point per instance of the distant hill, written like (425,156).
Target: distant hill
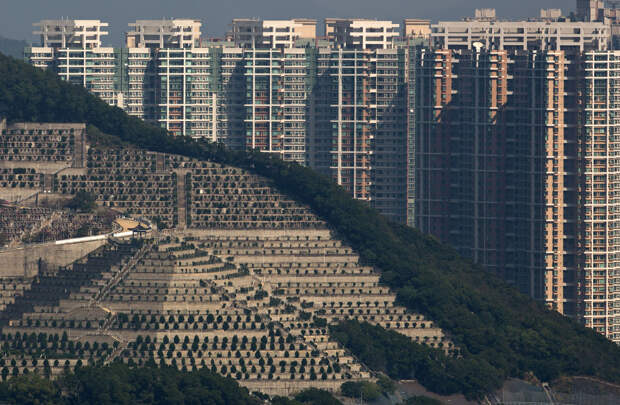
(12,47)
(501,333)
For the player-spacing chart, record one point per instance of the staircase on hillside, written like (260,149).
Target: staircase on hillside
(123,271)
(79,151)
(160,163)
(181,199)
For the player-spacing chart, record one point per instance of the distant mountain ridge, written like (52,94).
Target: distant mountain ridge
(12,47)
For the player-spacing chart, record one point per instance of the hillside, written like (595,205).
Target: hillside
(500,332)
(12,47)
(251,279)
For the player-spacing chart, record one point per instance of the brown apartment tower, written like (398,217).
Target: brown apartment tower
(516,157)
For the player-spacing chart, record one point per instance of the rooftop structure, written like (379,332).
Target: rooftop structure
(485,14)
(521,35)
(360,33)
(174,33)
(248,32)
(413,27)
(550,14)
(75,34)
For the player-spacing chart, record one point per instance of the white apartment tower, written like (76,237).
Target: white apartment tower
(599,145)
(165,74)
(73,49)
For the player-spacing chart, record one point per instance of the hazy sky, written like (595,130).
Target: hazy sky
(17,16)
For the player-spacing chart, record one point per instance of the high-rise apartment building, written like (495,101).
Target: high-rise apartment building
(360,128)
(515,138)
(156,88)
(480,157)
(599,206)
(73,49)
(606,11)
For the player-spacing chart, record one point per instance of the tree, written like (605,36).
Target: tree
(120,384)
(83,201)
(361,389)
(30,389)
(314,396)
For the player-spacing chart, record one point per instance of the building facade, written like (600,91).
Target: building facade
(73,49)
(515,145)
(598,196)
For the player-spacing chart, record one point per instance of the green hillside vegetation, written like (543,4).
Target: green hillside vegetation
(421,400)
(119,384)
(311,396)
(500,332)
(402,359)
(12,47)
